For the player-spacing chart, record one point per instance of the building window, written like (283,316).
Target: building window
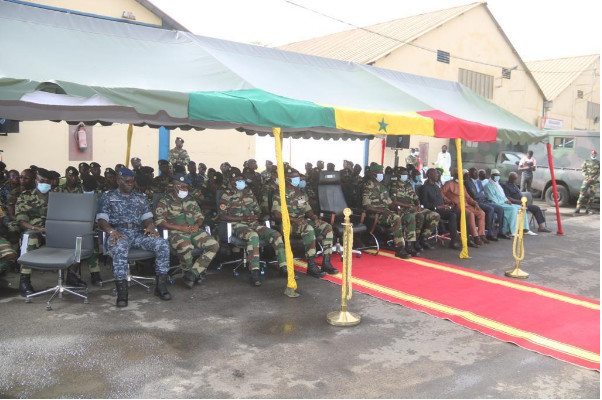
(593,111)
(443,56)
(480,83)
(579,94)
(564,142)
(506,73)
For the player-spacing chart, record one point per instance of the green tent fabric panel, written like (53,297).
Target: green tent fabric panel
(259,108)
(13,89)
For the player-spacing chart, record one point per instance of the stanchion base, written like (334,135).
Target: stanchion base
(517,273)
(290,292)
(343,318)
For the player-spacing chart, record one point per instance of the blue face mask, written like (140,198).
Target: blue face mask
(417,178)
(403,178)
(302,184)
(240,185)
(496,178)
(44,187)
(276,181)
(295,181)
(90,192)
(379,177)
(249,180)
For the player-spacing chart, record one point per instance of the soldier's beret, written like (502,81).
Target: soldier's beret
(163,162)
(84,164)
(55,175)
(179,168)
(179,139)
(34,168)
(376,167)
(181,178)
(2,165)
(233,173)
(110,171)
(89,183)
(125,172)
(94,165)
(135,159)
(118,167)
(191,162)
(225,164)
(71,171)
(218,178)
(201,165)
(44,173)
(147,170)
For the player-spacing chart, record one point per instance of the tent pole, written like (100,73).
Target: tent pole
(164,137)
(463,236)
(382,154)
(366,154)
(291,285)
(129,145)
(551,166)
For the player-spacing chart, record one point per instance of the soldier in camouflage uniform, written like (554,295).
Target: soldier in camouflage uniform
(266,175)
(101,182)
(591,173)
(238,205)
(10,227)
(8,255)
(72,184)
(126,217)
(206,197)
(162,183)
(306,224)
(111,179)
(376,201)
(178,155)
(181,215)
(403,195)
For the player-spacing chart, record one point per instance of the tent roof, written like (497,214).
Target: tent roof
(79,68)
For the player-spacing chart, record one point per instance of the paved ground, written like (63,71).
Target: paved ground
(226,339)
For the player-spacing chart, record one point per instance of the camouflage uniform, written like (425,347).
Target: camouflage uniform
(591,171)
(239,203)
(31,207)
(125,214)
(205,196)
(375,194)
(266,177)
(426,220)
(267,193)
(173,210)
(178,156)
(7,253)
(101,182)
(161,184)
(412,160)
(63,188)
(298,207)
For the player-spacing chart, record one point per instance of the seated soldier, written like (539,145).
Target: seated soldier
(90,186)
(376,201)
(181,215)
(72,184)
(8,255)
(111,177)
(238,205)
(406,211)
(143,184)
(206,197)
(306,224)
(514,194)
(252,181)
(162,182)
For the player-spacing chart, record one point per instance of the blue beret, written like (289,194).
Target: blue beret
(125,172)
(181,178)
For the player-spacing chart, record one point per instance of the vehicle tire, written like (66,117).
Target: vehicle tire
(563,196)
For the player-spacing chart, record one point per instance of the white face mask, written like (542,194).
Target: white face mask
(182,193)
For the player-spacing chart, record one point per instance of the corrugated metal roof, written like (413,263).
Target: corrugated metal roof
(370,43)
(555,75)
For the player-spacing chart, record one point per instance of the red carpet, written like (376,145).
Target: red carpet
(550,322)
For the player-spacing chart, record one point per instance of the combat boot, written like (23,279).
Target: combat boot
(410,249)
(402,253)
(189,278)
(313,270)
(255,279)
(74,281)
(25,288)
(122,293)
(425,244)
(327,266)
(161,288)
(95,278)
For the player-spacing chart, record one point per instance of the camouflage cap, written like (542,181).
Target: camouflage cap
(71,171)
(181,178)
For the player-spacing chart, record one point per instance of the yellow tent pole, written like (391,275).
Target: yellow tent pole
(464,252)
(291,284)
(129,145)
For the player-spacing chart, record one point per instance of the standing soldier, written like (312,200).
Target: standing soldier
(406,198)
(181,215)
(591,174)
(178,155)
(136,164)
(376,201)
(126,217)
(306,224)
(72,184)
(101,182)
(238,205)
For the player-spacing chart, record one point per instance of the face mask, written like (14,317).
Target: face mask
(44,187)
(182,193)
(302,184)
(90,192)
(276,181)
(594,157)
(403,178)
(496,178)
(249,180)
(456,180)
(379,177)
(417,178)
(240,185)
(295,181)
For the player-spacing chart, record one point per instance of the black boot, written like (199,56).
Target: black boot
(122,293)
(25,288)
(255,279)
(425,244)
(189,278)
(313,270)
(95,278)
(402,253)
(327,266)
(417,246)
(410,249)
(161,288)
(74,280)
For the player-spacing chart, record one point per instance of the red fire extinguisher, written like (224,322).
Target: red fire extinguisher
(81,137)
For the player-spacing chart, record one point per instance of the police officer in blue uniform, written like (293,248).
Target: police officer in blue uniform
(125,216)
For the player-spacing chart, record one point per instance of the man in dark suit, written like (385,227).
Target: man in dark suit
(513,193)
(475,189)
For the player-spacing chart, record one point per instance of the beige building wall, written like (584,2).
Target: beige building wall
(572,110)
(472,35)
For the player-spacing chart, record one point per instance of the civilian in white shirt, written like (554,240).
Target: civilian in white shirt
(526,166)
(444,160)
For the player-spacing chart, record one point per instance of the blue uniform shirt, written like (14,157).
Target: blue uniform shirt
(118,208)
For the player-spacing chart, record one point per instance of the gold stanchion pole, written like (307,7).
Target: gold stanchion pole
(518,249)
(344,317)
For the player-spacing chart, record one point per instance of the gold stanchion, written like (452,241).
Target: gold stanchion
(344,317)
(518,249)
